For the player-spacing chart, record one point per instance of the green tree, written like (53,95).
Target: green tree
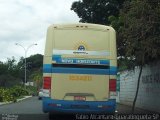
(35,62)
(117,23)
(9,73)
(35,66)
(37,78)
(12,73)
(96,11)
(140,34)
(3,72)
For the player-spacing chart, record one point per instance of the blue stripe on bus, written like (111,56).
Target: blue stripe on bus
(66,106)
(113,70)
(59,59)
(47,68)
(56,57)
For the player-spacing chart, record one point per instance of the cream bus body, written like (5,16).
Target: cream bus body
(79,69)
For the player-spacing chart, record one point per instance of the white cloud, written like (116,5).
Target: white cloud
(26,22)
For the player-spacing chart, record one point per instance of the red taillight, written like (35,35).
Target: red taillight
(112,85)
(47,83)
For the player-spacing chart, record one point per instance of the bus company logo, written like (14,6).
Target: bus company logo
(81,48)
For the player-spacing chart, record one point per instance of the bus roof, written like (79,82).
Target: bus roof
(81,26)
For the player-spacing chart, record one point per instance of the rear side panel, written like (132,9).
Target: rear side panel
(67,86)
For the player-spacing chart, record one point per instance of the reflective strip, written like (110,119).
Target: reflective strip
(80,71)
(76,52)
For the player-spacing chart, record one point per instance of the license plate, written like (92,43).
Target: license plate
(81,98)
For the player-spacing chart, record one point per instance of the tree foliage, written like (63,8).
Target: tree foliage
(36,76)
(140,33)
(12,72)
(8,73)
(35,61)
(96,11)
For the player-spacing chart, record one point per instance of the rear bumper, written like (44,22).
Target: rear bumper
(66,106)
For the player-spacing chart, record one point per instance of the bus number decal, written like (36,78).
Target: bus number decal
(80,78)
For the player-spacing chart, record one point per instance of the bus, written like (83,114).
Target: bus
(79,69)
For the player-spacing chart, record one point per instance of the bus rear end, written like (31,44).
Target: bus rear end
(80,69)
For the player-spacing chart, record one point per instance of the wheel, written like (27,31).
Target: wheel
(53,116)
(39,98)
(50,115)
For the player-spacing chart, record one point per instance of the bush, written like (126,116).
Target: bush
(11,94)
(5,95)
(18,91)
(32,90)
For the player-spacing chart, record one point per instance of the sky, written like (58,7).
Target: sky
(25,22)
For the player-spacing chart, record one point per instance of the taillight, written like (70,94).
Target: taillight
(112,85)
(47,83)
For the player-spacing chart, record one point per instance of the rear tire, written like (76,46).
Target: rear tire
(50,115)
(39,98)
(54,116)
